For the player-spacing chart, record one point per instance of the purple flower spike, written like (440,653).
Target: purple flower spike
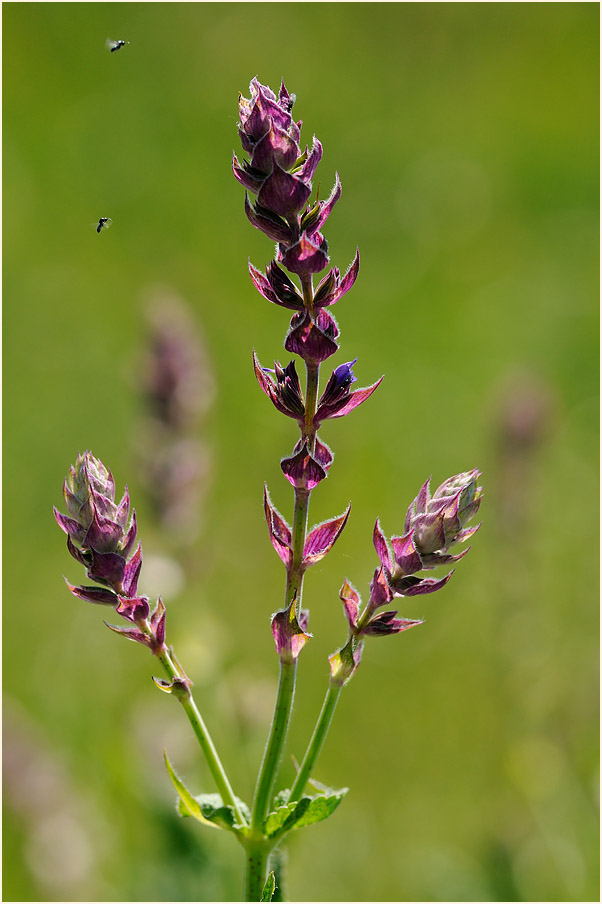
(99,526)
(439,521)
(98,535)
(432,525)
(263,109)
(289,633)
(280,175)
(277,172)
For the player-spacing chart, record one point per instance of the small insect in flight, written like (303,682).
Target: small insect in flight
(103,223)
(115,45)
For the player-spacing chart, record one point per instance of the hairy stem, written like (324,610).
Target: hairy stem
(273,750)
(317,740)
(257,854)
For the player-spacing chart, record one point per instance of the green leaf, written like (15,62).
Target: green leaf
(269,888)
(278,817)
(320,807)
(301,813)
(282,797)
(187,804)
(213,809)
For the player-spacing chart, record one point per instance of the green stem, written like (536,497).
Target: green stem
(257,854)
(273,750)
(309,431)
(216,768)
(317,740)
(294,577)
(279,863)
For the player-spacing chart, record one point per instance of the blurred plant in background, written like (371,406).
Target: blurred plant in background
(177,389)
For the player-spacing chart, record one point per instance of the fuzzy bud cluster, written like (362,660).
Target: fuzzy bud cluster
(279,173)
(101,534)
(433,525)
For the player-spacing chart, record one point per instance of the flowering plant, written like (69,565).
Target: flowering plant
(101,532)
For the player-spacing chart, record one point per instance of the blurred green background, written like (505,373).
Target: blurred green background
(466,139)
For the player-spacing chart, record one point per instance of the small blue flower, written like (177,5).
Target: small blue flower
(343,375)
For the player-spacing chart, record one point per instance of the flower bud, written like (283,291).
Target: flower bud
(344,662)
(369,622)
(437,522)
(100,538)
(277,172)
(277,287)
(332,286)
(280,174)
(432,526)
(312,338)
(98,533)
(283,388)
(304,470)
(337,398)
(289,631)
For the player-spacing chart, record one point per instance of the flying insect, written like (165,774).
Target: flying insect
(103,223)
(115,45)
